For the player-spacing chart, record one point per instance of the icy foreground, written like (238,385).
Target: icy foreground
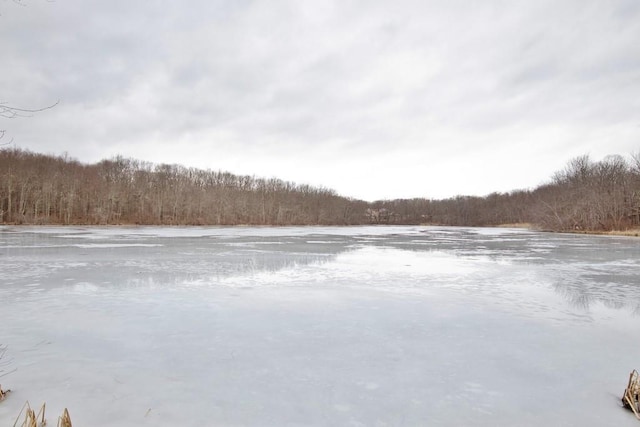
(362,326)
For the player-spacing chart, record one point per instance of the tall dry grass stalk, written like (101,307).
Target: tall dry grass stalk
(65,419)
(631,396)
(31,419)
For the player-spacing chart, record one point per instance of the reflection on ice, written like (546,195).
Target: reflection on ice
(501,262)
(505,263)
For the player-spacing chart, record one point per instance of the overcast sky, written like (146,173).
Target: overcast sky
(375,99)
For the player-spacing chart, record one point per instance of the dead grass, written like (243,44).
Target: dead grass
(3,363)
(634,232)
(65,419)
(3,393)
(31,419)
(525,225)
(630,398)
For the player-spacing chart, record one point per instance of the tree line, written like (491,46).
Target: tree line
(585,196)
(45,189)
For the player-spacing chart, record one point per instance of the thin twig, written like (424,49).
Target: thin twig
(9,112)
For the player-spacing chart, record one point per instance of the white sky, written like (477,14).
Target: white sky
(375,99)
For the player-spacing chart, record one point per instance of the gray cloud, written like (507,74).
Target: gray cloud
(374,99)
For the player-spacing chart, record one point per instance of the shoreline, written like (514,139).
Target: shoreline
(632,232)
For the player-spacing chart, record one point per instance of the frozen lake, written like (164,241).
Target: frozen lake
(319,326)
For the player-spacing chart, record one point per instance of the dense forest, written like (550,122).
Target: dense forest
(43,189)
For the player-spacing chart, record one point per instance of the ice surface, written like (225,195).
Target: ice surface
(320,326)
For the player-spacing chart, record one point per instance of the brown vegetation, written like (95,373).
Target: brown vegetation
(31,419)
(631,396)
(3,364)
(592,196)
(40,189)
(586,196)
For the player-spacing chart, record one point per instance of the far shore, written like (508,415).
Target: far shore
(631,232)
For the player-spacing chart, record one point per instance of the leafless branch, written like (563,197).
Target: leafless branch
(9,112)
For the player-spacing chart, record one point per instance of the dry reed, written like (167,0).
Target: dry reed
(631,396)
